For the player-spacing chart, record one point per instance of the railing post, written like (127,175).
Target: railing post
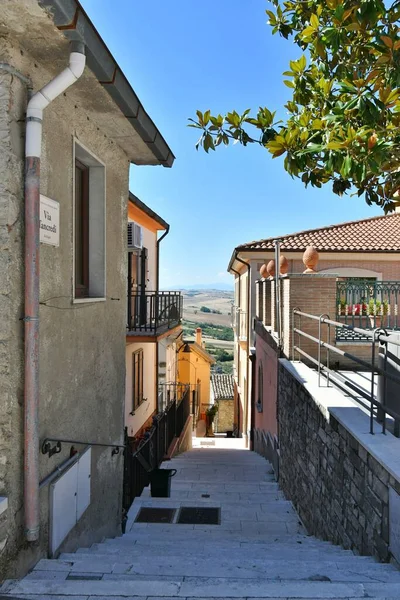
(320,344)
(371,416)
(385,389)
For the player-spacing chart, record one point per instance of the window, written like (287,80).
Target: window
(89,227)
(81,230)
(260,390)
(137,379)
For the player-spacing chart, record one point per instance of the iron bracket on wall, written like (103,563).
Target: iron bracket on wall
(50,449)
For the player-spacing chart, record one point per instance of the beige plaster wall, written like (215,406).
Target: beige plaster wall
(82,347)
(146,409)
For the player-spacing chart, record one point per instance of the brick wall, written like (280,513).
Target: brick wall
(316,295)
(389,269)
(311,294)
(339,490)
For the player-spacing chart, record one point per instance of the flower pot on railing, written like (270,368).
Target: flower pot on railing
(355,315)
(377,321)
(377,312)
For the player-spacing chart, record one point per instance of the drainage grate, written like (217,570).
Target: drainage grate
(155,515)
(197,515)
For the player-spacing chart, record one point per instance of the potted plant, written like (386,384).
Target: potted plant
(210,415)
(351,311)
(377,312)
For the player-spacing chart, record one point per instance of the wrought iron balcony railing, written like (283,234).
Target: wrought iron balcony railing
(367,304)
(149,312)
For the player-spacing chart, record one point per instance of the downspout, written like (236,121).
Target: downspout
(237,348)
(245,415)
(33,146)
(166,232)
(277,244)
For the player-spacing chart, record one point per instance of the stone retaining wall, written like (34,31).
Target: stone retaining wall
(338,488)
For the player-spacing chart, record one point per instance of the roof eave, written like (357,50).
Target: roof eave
(148,211)
(72,20)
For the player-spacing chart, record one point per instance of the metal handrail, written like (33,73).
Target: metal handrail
(47,449)
(378,335)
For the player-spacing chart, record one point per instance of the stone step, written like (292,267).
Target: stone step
(240,568)
(232,486)
(270,508)
(193,587)
(283,554)
(228,527)
(198,538)
(293,571)
(218,468)
(236,497)
(277,544)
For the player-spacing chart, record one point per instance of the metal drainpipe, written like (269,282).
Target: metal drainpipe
(277,244)
(245,416)
(237,343)
(166,232)
(13,71)
(33,146)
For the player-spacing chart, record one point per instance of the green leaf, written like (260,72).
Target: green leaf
(289,84)
(353,27)
(346,167)
(314,22)
(303,62)
(335,146)
(200,117)
(308,32)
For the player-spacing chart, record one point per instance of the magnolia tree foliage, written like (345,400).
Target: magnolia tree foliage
(343,119)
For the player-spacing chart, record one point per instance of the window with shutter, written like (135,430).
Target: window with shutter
(137,379)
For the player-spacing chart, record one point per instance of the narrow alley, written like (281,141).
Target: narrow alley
(256,548)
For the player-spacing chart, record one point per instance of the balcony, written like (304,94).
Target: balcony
(153,313)
(366,304)
(239,323)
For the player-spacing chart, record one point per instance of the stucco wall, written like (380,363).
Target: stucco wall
(147,408)
(82,347)
(193,369)
(149,241)
(267,360)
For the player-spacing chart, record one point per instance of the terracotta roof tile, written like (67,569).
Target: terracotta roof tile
(376,234)
(222,386)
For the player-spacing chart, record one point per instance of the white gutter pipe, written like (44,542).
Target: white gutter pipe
(33,147)
(278,319)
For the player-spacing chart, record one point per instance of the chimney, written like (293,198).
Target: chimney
(198,336)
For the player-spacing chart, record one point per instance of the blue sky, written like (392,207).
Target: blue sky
(184,55)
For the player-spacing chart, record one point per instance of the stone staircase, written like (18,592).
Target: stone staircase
(259,549)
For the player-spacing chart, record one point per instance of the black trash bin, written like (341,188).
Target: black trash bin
(160,482)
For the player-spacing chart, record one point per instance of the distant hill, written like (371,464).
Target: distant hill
(225,287)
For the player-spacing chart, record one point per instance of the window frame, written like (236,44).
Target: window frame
(260,388)
(82,288)
(97,215)
(137,379)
